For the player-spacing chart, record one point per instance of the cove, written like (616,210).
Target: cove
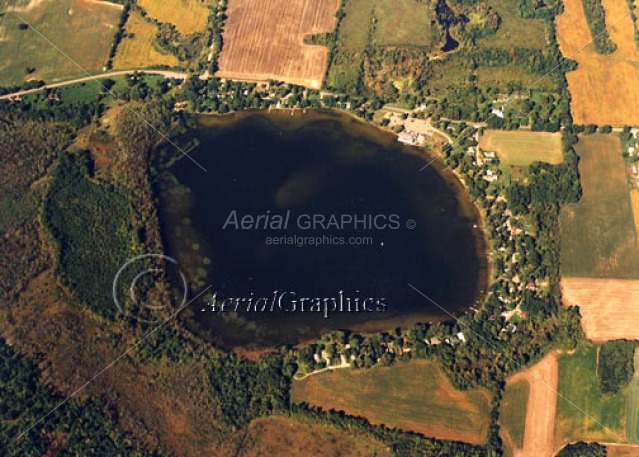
(314,222)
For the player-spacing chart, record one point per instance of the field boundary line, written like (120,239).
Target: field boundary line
(518,96)
(126,105)
(526,369)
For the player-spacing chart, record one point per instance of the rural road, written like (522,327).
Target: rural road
(165,73)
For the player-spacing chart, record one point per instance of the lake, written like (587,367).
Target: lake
(313,222)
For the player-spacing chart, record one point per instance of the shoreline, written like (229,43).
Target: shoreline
(290,120)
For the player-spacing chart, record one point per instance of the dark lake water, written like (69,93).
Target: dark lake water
(310,178)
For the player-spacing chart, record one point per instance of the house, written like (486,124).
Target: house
(499,112)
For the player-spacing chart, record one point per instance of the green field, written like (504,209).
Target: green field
(584,413)
(514,31)
(521,148)
(513,412)
(598,238)
(82,31)
(414,396)
(632,407)
(403,23)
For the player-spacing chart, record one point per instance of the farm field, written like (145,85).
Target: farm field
(188,16)
(521,148)
(622,451)
(513,414)
(634,201)
(279,435)
(608,307)
(598,237)
(415,396)
(604,88)
(265,40)
(403,22)
(583,412)
(514,31)
(539,408)
(632,407)
(139,51)
(92,26)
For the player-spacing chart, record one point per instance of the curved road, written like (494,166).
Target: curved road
(165,73)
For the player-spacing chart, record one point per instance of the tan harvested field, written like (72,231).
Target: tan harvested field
(604,88)
(634,200)
(188,16)
(521,148)
(542,402)
(139,51)
(265,40)
(608,306)
(622,450)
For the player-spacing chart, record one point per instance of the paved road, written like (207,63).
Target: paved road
(111,74)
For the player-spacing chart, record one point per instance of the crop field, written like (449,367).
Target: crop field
(632,407)
(604,88)
(139,51)
(584,413)
(521,148)
(634,201)
(622,451)
(513,414)
(608,307)
(403,23)
(265,40)
(415,396)
(598,237)
(279,435)
(539,408)
(82,30)
(514,31)
(188,16)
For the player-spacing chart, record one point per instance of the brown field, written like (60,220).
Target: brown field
(634,200)
(278,435)
(622,450)
(265,40)
(413,396)
(139,51)
(604,88)
(608,306)
(540,414)
(188,16)
(521,148)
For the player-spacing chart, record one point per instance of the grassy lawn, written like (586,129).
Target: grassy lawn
(414,396)
(513,412)
(521,148)
(82,31)
(514,31)
(598,233)
(403,23)
(583,412)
